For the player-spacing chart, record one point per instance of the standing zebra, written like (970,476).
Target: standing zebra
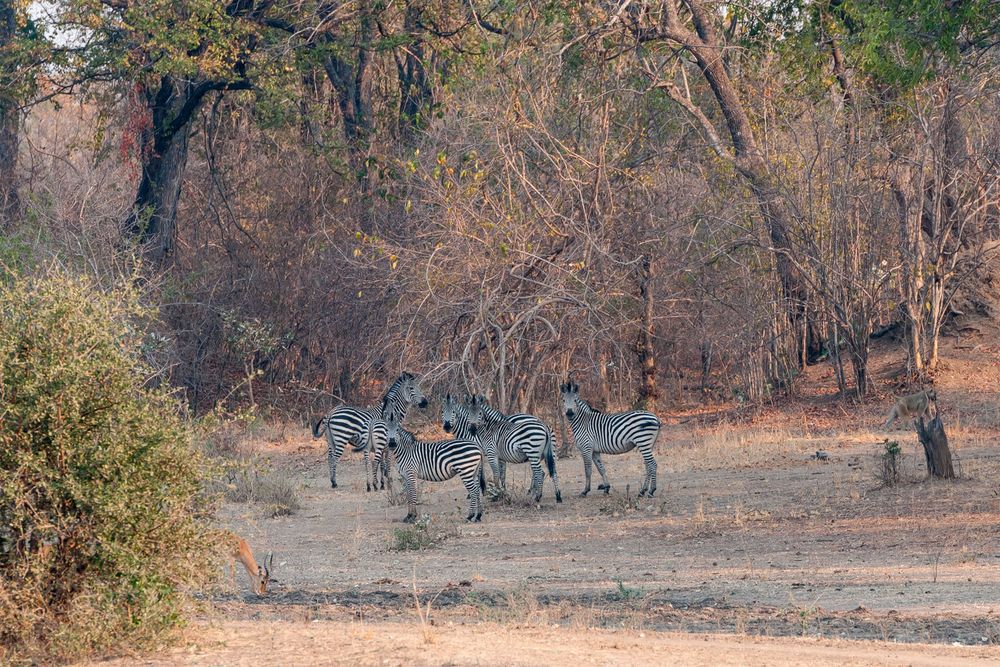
(434,461)
(519,438)
(347,424)
(596,433)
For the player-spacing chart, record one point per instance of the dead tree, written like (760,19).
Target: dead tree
(936,451)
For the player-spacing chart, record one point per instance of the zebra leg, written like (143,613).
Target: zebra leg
(333,452)
(586,456)
(550,463)
(471,482)
(410,487)
(495,467)
(385,470)
(537,477)
(502,467)
(649,483)
(605,484)
(369,473)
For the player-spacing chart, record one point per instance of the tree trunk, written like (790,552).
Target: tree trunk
(647,356)
(164,146)
(416,96)
(936,451)
(352,82)
(707,48)
(10,204)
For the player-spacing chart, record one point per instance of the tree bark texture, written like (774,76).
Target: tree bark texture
(10,204)
(936,451)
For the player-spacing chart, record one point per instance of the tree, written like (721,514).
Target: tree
(159,60)
(9,112)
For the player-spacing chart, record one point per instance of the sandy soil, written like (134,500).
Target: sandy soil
(347,643)
(747,531)
(753,552)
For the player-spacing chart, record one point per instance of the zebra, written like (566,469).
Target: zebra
(596,433)
(348,424)
(518,438)
(434,461)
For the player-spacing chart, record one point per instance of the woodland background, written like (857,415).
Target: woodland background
(679,200)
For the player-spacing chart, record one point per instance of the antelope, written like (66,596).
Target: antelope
(260,575)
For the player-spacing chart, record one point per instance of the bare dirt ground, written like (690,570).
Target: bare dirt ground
(355,643)
(753,552)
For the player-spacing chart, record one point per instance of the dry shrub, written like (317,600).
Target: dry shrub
(245,476)
(275,493)
(888,463)
(423,534)
(101,516)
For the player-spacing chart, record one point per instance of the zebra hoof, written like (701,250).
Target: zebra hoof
(558,497)
(410,518)
(333,485)
(607,489)
(603,487)
(642,494)
(583,494)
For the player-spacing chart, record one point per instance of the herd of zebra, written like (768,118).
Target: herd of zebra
(482,434)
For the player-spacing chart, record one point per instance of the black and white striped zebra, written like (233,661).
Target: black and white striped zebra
(349,424)
(519,438)
(596,433)
(434,461)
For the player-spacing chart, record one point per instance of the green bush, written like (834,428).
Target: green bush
(102,520)
(423,534)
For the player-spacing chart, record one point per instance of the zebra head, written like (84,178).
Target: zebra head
(392,429)
(449,413)
(570,392)
(474,406)
(412,392)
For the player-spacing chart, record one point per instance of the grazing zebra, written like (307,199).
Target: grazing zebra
(347,424)
(519,438)
(434,461)
(596,433)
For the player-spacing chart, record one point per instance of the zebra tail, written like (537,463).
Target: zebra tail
(550,459)
(318,428)
(482,480)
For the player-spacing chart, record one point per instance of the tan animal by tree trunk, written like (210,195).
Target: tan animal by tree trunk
(913,406)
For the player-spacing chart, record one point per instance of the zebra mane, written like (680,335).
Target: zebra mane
(395,386)
(589,406)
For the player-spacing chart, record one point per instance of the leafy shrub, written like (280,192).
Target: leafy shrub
(888,462)
(101,515)
(423,534)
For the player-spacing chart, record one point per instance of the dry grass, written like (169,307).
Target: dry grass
(254,483)
(728,446)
